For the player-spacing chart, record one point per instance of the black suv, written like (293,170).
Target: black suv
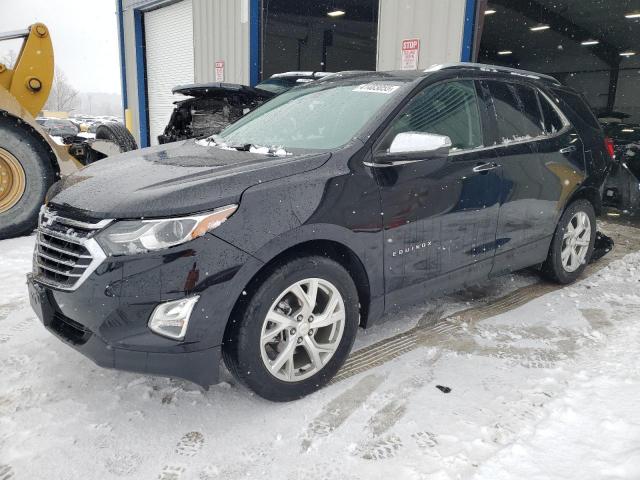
(335,202)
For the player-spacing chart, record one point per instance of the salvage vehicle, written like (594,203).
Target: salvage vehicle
(214,106)
(622,187)
(270,244)
(31,160)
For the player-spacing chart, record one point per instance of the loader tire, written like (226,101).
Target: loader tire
(26,173)
(118,134)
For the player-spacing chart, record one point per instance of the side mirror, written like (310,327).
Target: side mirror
(410,147)
(410,142)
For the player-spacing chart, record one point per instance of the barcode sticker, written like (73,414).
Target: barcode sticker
(377,87)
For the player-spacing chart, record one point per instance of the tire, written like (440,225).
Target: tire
(25,151)
(246,357)
(554,268)
(118,134)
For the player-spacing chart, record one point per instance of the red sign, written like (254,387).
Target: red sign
(410,54)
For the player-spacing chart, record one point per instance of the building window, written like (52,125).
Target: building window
(318,35)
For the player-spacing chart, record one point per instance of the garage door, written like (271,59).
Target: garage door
(169,49)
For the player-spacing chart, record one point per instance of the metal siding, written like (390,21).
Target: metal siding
(221,32)
(439,24)
(168,33)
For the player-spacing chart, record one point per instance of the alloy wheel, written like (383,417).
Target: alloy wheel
(575,242)
(302,329)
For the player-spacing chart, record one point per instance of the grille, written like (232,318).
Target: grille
(66,253)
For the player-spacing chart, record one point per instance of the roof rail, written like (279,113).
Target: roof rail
(493,68)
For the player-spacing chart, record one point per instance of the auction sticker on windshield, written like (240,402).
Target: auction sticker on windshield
(377,87)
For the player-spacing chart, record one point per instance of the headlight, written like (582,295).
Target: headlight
(129,237)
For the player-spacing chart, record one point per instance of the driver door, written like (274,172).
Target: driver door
(440,212)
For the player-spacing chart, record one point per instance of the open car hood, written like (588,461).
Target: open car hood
(218,89)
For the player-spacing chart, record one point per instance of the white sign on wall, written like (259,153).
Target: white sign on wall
(410,54)
(219,71)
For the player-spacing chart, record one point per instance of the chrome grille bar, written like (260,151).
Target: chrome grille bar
(45,244)
(59,272)
(66,252)
(68,263)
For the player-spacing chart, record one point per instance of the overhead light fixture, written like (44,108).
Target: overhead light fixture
(540,28)
(336,13)
(627,54)
(489,12)
(505,52)
(628,130)
(632,15)
(590,42)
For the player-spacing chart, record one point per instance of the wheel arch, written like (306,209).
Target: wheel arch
(330,248)
(589,193)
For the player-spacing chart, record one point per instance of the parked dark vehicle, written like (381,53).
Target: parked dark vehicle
(333,203)
(59,127)
(214,106)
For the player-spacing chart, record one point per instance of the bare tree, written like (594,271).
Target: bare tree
(9,58)
(63,97)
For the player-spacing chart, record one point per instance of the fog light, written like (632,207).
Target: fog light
(171,319)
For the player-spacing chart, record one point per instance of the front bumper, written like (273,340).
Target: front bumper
(199,366)
(105,318)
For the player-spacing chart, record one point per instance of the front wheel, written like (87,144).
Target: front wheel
(296,330)
(572,245)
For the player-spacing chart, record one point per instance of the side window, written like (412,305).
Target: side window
(516,110)
(552,121)
(449,108)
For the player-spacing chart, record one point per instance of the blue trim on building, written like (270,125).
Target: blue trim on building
(469,27)
(123,65)
(141,76)
(254,41)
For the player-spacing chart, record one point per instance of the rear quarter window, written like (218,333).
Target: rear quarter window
(578,110)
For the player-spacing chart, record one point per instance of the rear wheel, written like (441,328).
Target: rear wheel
(572,244)
(296,330)
(26,174)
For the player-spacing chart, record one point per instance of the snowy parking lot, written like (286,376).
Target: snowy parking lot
(515,379)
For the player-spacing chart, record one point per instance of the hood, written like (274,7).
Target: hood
(217,90)
(175,179)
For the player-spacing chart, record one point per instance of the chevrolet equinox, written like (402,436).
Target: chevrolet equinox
(270,244)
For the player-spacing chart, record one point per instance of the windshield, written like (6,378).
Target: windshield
(316,116)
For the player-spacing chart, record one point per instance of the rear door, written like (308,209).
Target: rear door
(440,214)
(541,163)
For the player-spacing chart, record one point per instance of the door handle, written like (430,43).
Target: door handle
(569,149)
(485,167)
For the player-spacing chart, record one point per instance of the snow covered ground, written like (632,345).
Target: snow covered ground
(544,384)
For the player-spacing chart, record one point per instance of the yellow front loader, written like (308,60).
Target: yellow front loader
(30,161)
